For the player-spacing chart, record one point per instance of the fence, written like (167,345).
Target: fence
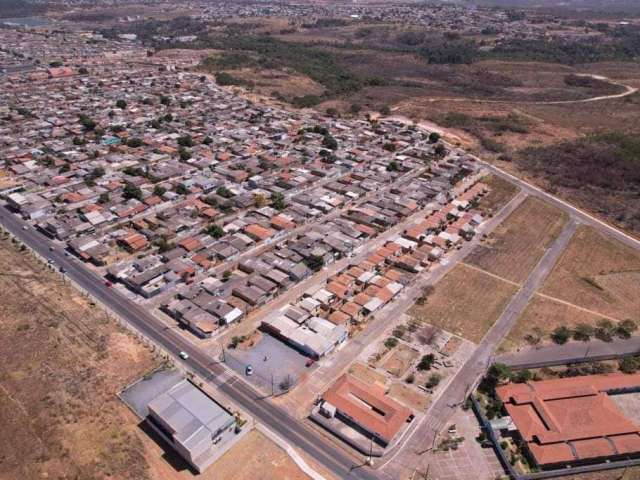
(265,379)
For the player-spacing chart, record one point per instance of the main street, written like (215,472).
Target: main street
(297,434)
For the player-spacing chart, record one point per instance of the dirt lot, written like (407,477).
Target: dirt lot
(367,374)
(500,194)
(417,401)
(400,360)
(255,457)
(514,248)
(544,315)
(465,302)
(598,273)
(63,363)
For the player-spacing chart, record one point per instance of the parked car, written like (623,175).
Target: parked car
(248,371)
(183,355)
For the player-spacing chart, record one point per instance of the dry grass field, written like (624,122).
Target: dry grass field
(514,248)
(544,315)
(465,302)
(399,361)
(599,274)
(417,401)
(63,361)
(500,194)
(255,457)
(367,374)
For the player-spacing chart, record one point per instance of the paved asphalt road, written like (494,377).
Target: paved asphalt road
(457,390)
(572,352)
(297,434)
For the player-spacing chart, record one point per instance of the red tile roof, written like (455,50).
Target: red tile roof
(570,419)
(368,406)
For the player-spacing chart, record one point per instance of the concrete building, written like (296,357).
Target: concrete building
(574,421)
(193,423)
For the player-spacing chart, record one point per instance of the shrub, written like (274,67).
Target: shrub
(391,342)
(583,332)
(561,335)
(434,380)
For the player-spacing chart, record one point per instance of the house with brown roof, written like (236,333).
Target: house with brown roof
(574,421)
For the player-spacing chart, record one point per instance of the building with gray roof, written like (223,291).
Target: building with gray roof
(193,423)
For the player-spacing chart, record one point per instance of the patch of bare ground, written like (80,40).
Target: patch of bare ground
(466,302)
(541,316)
(598,273)
(63,362)
(514,248)
(415,400)
(500,193)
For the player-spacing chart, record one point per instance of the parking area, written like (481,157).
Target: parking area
(275,366)
(138,395)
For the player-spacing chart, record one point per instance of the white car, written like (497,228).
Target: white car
(184,355)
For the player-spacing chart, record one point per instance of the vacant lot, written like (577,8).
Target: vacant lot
(255,457)
(542,316)
(599,274)
(514,248)
(501,193)
(400,360)
(367,374)
(415,400)
(465,302)
(62,363)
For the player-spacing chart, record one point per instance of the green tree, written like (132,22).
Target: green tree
(159,190)
(625,328)
(314,262)
(181,189)
(433,381)
(391,342)
(278,201)
(135,142)
(440,150)
(207,140)
(329,142)
(186,141)
(104,198)
(426,362)
(215,231)
(393,166)
(132,191)
(583,332)
(629,364)
(561,335)
(434,137)
(224,192)
(121,104)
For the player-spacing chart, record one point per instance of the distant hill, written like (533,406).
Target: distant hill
(632,6)
(19,8)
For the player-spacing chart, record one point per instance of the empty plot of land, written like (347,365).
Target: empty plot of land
(514,248)
(367,374)
(399,361)
(466,302)
(62,364)
(501,192)
(599,274)
(543,315)
(255,457)
(412,398)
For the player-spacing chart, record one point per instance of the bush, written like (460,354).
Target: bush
(629,364)
(605,330)
(434,380)
(215,231)
(561,335)
(391,342)
(583,332)
(121,104)
(426,362)
(625,328)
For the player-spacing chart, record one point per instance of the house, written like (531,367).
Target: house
(193,423)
